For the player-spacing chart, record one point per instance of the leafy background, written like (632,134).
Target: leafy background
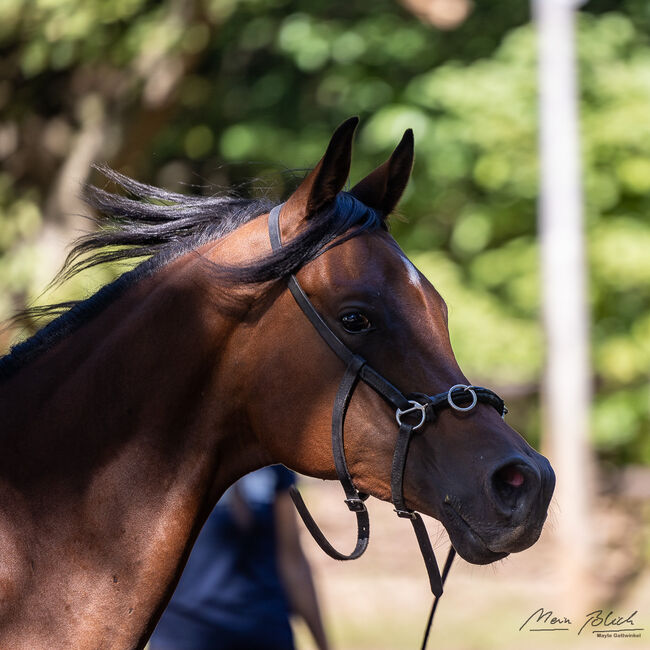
(204,94)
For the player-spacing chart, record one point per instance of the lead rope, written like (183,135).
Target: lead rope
(445,572)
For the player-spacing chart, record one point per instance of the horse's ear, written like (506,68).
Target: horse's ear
(382,188)
(327,179)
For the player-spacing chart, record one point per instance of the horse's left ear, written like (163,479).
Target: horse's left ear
(382,188)
(320,188)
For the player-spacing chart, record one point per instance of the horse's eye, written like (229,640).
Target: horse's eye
(354,322)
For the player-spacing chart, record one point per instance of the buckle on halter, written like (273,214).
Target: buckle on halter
(416,406)
(405,514)
(355,504)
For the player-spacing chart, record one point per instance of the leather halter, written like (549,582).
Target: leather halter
(419,408)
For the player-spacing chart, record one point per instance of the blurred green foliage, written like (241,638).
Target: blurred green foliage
(203,94)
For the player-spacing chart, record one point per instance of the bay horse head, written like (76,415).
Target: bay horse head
(466,466)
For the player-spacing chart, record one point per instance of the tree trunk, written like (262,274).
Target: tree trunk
(567,382)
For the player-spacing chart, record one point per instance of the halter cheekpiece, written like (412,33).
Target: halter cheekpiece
(411,413)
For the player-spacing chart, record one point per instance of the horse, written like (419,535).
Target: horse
(128,415)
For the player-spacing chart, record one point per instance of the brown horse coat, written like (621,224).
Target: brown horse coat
(118,438)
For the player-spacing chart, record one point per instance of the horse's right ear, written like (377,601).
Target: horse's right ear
(319,189)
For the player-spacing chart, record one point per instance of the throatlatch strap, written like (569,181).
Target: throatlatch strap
(354,499)
(363,529)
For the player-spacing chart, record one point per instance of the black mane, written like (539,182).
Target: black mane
(159,226)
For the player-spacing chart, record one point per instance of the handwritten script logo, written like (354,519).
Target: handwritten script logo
(546,621)
(601,623)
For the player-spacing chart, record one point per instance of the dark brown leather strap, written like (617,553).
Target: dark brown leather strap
(397,491)
(353,498)
(369,376)
(363,529)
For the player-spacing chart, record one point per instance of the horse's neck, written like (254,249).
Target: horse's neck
(116,445)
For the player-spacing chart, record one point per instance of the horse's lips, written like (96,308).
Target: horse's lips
(460,532)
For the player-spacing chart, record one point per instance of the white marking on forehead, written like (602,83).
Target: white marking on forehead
(414,275)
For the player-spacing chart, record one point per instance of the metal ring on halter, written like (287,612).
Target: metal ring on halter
(416,407)
(466,388)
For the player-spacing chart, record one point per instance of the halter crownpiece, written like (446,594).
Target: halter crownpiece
(420,409)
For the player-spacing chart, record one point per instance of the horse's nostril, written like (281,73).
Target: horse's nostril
(510,475)
(510,485)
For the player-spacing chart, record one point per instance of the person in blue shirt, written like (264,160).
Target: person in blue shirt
(246,574)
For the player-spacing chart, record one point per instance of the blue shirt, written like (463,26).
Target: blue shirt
(230,592)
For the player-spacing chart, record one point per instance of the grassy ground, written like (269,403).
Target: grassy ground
(381,601)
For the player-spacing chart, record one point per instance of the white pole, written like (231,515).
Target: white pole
(567,384)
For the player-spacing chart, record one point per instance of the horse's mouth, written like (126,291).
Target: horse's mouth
(467,542)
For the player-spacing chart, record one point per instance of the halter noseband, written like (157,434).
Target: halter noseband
(419,408)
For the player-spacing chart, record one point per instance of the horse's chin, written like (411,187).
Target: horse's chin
(467,542)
